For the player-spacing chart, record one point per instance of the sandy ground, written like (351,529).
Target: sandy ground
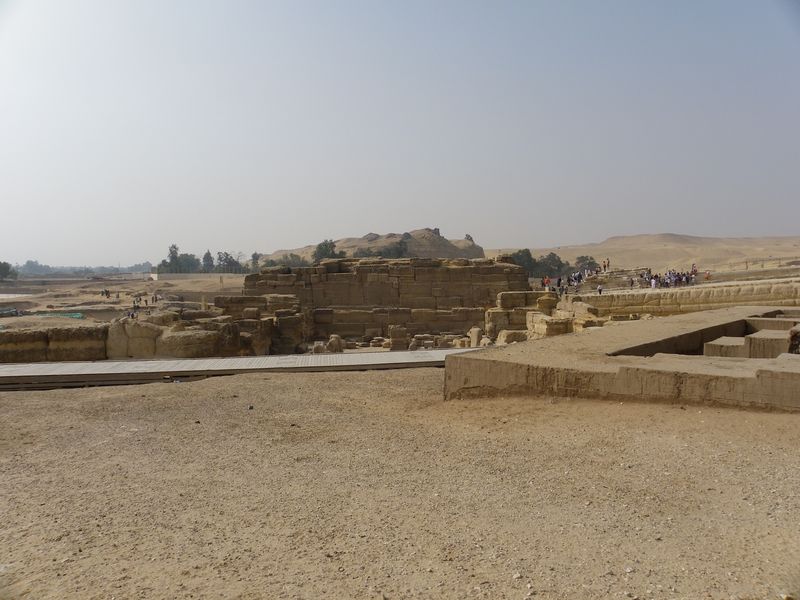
(83,296)
(368,485)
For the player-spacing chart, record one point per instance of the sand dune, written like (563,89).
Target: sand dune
(669,250)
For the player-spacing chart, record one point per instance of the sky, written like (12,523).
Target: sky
(242,126)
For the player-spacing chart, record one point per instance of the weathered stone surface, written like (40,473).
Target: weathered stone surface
(335,344)
(77,343)
(25,345)
(630,362)
(188,344)
(508,336)
(475,335)
(540,325)
(672,301)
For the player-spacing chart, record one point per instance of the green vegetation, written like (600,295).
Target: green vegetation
(326,249)
(208,262)
(181,262)
(550,265)
(7,271)
(397,249)
(585,262)
(288,260)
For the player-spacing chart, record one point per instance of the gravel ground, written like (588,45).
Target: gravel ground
(368,485)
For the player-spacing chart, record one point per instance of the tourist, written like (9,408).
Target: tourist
(600,290)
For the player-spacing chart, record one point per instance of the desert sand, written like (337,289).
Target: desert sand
(369,485)
(674,251)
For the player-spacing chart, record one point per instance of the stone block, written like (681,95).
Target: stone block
(509,336)
(726,346)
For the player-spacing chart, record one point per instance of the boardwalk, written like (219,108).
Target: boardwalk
(114,372)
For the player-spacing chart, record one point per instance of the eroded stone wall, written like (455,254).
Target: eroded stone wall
(413,283)
(53,344)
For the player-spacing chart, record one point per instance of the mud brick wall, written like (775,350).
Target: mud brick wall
(414,283)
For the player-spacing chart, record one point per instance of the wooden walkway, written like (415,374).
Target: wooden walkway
(17,376)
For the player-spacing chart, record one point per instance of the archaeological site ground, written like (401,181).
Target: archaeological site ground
(634,443)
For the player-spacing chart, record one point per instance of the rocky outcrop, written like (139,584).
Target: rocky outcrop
(419,243)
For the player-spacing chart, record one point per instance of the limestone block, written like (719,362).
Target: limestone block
(323,315)
(516,299)
(767,343)
(398,333)
(486,342)
(585,323)
(475,335)
(251,313)
(508,336)
(142,347)
(23,345)
(726,346)
(188,344)
(541,325)
(349,329)
(77,343)
(418,302)
(139,329)
(496,319)
(161,318)
(447,302)
(547,303)
(117,340)
(335,344)
(398,316)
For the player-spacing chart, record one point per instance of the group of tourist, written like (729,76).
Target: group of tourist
(106,293)
(137,304)
(669,279)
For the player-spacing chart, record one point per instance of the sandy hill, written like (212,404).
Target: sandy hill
(423,243)
(669,250)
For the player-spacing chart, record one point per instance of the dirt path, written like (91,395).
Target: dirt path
(367,485)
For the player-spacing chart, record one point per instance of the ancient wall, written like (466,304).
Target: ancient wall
(415,283)
(366,322)
(53,344)
(701,297)
(161,335)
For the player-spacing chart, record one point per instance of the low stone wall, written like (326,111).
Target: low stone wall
(53,344)
(161,335)
(662,302)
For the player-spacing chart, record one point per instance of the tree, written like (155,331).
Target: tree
(551,266)
(326,249)
(208,262)
(6,271)
(525,259)
(177,262)
(585,262)
(173,255)
(226,263)
(254,258)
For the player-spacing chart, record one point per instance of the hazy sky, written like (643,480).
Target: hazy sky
(251,126)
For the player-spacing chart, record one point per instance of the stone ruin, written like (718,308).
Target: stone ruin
(735,356)
(395,304)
